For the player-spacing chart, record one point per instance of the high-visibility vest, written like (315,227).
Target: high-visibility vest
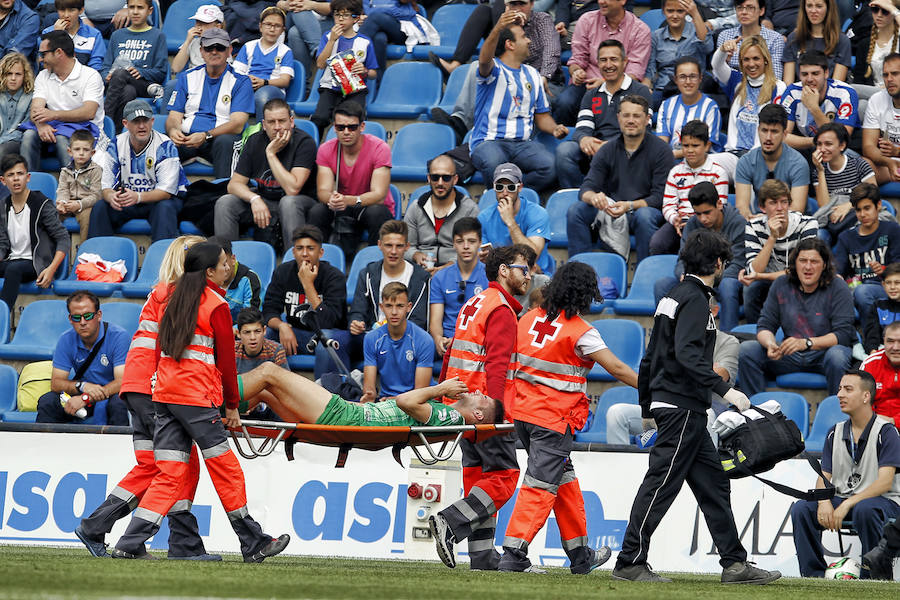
(194,379)
(550,379)
(140,364)
(467,351)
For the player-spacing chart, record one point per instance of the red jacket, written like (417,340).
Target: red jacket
(887,382)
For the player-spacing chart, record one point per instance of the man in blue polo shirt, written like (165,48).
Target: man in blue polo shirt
(451,287)
(515,219)
(399,353)
(102,377)
(210,106)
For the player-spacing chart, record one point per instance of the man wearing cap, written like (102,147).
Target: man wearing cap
(516,219)
(142,178)
(210,106)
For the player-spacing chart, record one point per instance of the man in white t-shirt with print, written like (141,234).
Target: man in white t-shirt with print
(881,126)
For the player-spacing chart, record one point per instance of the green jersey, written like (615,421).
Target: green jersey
(384,414)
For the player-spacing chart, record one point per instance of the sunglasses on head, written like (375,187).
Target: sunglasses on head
(216,48)
(349,126)
(435,177)
(509,187)
(86,316)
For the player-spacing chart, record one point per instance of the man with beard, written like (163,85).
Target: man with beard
(674,385)
(881,126)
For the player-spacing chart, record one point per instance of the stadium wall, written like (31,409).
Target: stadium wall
(46,480)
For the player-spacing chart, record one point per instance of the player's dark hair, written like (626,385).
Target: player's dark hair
(762,3)
(696,129)
(224,242)
(82,135)
(866,380)
(308,231)
(81,295)
(11,160)
(442,156)
(688,60)
(702,251)
(275,104)
(772,189)
(60,40)
(891,269)
(571,291)
(466,225)
(394,226)
(813,58)
(505,255)
(865,191)
(394,289)
(819,246)
(612,44)
(704,192)
(354,7)
(180,318)
(249,316)
(773,114)
(61,4)
(506,35)
(837,129)
(634,99)
(890,327)
(350,108)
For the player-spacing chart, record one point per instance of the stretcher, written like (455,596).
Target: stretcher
(430,445)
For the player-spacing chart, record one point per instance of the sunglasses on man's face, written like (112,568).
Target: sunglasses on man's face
(509,187)
(348,126)
(86,316)
(216,48)
(435,177)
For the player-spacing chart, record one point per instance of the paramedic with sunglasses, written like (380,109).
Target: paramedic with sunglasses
(100,379)
(515,219)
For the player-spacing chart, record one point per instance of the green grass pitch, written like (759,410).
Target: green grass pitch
(51,573)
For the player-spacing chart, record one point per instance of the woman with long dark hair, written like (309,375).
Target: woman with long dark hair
(818,28)
(195,373)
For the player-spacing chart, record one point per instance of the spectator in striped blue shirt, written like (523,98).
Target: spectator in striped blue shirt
(688,105)
(268,62)
(749,14)
(90,47)
(509,102)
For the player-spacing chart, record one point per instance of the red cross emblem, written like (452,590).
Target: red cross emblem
(470,310)
(543,330)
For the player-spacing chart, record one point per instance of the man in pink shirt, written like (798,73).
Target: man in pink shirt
(354,195)
(612,21)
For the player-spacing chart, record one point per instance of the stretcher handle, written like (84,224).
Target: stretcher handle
(265,449)
(441,455)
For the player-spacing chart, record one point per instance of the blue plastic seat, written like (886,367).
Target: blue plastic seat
(449,21)
(307,127)
(828,414)
(793,406)
(890,190)
(109,248)
(178,21)
(297,90)
(407,90)
(654,18)
(625,338)
(397,197)
(32,288)
(308,106)
(9,380)
(557,206)
(489,198)
(41,324)
(550,142)
(416,144)
(454,86)
(332,254)
(44,183)
(4,323)
(124,314)
(259,256)
(640,300)
(605,264)
(809,381)
(596,432)
(372,128)
(367,255)
(149,273)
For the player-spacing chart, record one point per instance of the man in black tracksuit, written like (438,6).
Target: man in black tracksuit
(674,385)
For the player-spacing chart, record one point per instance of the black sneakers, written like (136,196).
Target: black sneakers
(116,553)
(276,546)
(746,572)
(443,539)
(641,572)
(600,556)
(97,549)
(879,561)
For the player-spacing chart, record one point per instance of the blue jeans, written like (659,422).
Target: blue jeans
(324,363)
(32,145)
(571,164)
(869,517)
(382,29)
(643,223)
(163,217)
(304,32)
(754,365)
(530,156)
(263,95)
(565,109)
(865,294)
(729,292)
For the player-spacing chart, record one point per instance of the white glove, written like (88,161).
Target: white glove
(737,398)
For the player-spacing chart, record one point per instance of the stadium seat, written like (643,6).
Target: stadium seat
(332,254)
(890,190)
(44,183)
(416,144)
(178,21)
(454,85)
(449,21)
(297,90)
(596,432)
(550,142)
(489,198)
(308,106)
(135,227)
(605,264)
(149,273)
(626,340)
(41,324)
(640,300)
(9,380)
(407,90)
(372,128)
(397,197)
(259,256)
(124,314)
(4,323)
(307,127)
(654,18)
(32,288)
(793,406)
(367,255)
(809,381)
(828,413)
(110,248)
(557,207)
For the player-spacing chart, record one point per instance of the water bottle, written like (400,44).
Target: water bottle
(81,413)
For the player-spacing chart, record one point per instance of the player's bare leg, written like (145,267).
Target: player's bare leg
(291,396)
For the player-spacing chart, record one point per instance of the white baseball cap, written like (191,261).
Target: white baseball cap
(209,13)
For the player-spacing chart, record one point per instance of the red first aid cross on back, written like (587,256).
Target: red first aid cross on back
(543,331)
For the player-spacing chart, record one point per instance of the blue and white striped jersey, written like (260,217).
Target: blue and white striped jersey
(156,167)
(506,102)
(362,50)
(673,113)
(206,102)
(254,60)
(841,105)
